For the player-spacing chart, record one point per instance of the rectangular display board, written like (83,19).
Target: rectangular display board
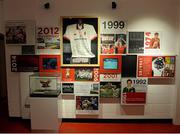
(133,91)
(24,63)
(156,66)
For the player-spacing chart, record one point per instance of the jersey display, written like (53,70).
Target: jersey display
(80,39)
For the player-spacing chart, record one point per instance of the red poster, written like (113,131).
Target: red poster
(68,74)
(145,66)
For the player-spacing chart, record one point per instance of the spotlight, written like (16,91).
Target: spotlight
(114,5)
(47,5)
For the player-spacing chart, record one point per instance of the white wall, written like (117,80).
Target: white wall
(140,15)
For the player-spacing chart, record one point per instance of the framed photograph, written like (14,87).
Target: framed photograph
(67,88)
(113,43)
(156,66)
(87,104)
(84,74)
(133,91)
(48,38)
(24,63)
(80,41)
(20,32)
(49,63)
(110,63)
(110,89)
(136,42)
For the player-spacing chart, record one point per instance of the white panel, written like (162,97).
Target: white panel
(24,84)
(159,110)
(68,108)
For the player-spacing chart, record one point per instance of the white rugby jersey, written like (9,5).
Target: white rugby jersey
(80,40)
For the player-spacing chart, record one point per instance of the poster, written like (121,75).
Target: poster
(136,42)
(68,74)
(133,90)
(24,63)
(152,40)
(20,32)
(80,41)
(113,43)
(67,88)
(110,89)
(156,66)
(87,104)
(48,38)
(86,88)
(129,65)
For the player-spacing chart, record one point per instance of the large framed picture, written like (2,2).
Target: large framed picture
(80,41)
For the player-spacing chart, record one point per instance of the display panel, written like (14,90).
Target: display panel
(136,42)
(156,66)
(110,77)
(80,41)
(113,43)
(110,89)
(48,38)
(67,88)
(133,91)
(129,65)
(110,63)
(49,63)
(87,104)
(24,63)
(86,88)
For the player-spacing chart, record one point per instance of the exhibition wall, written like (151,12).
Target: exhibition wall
(140,15)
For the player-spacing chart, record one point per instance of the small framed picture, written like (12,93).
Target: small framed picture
(49,63)
(110,63)
(80,41)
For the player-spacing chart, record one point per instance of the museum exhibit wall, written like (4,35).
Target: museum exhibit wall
(140,15)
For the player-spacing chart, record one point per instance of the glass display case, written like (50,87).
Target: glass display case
(44,85)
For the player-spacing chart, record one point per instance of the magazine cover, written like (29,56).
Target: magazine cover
(133,90)
(113,43)
(136,42)
(110,89)
(48,38)
(87,104)
(156,66)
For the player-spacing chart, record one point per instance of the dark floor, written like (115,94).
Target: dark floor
(17,125)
